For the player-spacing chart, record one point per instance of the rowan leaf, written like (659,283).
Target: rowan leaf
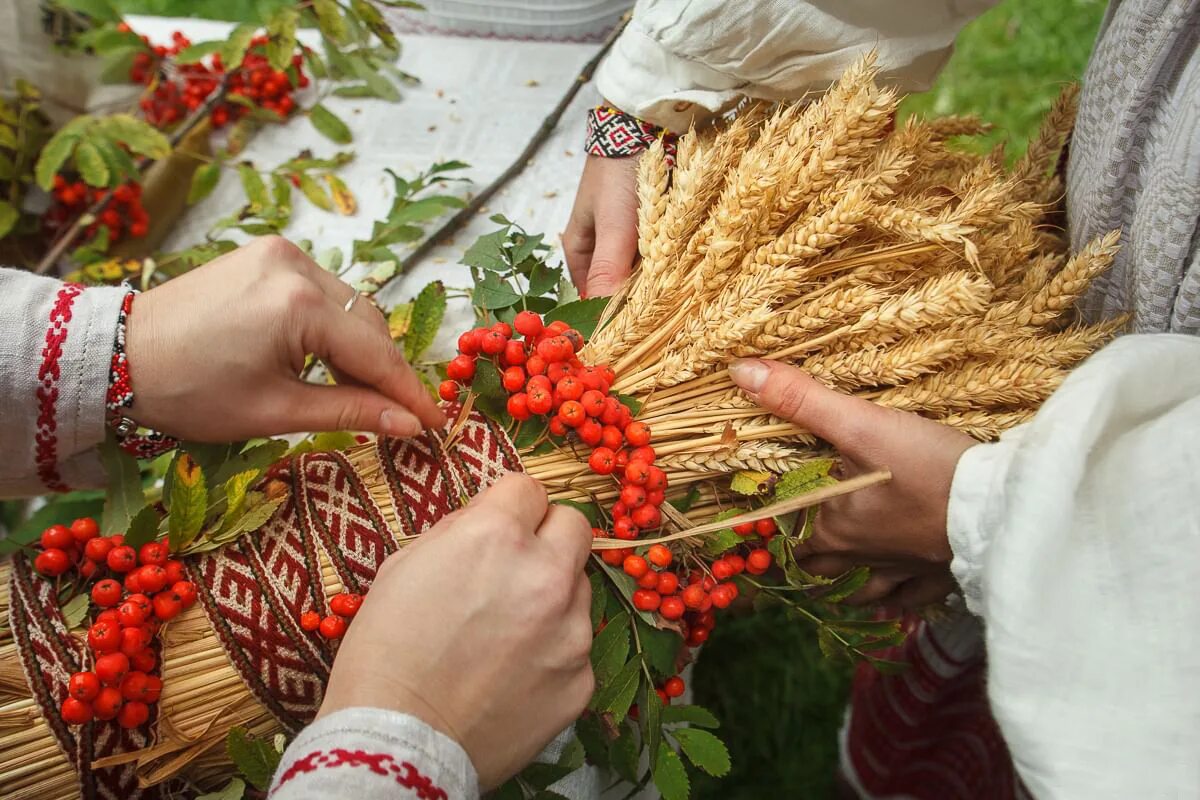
(198,51)
(256,759)
(136,134)
(315,192)
(234,790)
(329,20)
(189,502)
(582,315)
(617,696)
(670,776)
(610,649)
(143,528)
(123,496)
(8,217)
(53,156)
(258,511)
(692,715)
(492,293)
(204,180)
(400,320)
(92,167)
(487,252)
(599,600)
(813,475)
(490,397)
(235,496)
(97,10)
(428,310)
(254,187)
(233,49)
(281,30)
(704,750)
(749,481)
(75,610)
(343,198)
(623,756)
(329,124)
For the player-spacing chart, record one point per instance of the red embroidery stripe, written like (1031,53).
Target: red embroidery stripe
(46,438)
(402,772)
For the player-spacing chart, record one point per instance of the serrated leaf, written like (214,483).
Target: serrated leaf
(691,715)
(490,398)
(75,611)
(234,790)
(524,245)
(138,135)
(92,167)
(704,750)
(632,403)
(198,51)
(529,431)
(624,585)
(492,293)
(831,648)
(329,441)
(329,20)
(617,696)
(235,496)
(591,736)
(53,156)
(651,709)
(589,510)
(812,475)
(749,481)
(599,599)
(143,528)
(400,320)
(670,777)
(204,180)
(315,192)
(329,124)
(8,217)
(543,279)
(721,541)
(888,667)
(189,502)
(233,50)
(281,195)
(623,756)
(369,72)
(428,310)
(254,187)
(686,502)
(374,21)
(487,252)
(610,649)
(539,775)
(582,315)
(281,28)
(343,198)
(256,759)
(846,584)
(660,647)
(57,508)
(123,497)
(97,10)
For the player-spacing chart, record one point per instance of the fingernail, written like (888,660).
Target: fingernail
(395,422)
(749,373)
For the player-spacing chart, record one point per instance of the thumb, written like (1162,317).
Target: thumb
(616,247)
(308,407)
(791,393)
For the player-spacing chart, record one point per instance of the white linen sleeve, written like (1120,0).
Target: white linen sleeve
(1078,543)
(680,61)
(373,754)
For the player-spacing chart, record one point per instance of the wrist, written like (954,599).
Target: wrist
(612,133)
(120,397)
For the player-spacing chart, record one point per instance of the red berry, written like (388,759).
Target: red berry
(668,583)
(110,668)
(468,343)
(504,329)
(131,614)
(601,461)
(493,342)
(659,555)
(575,338)
(646,517)
(556,327)
(758,562)
(142,600)
(514,353)
(97,549)
(646,600)
(612,557)
(637,472)
(175,571)
(674,687)
(694,596)
(662,697)
(571,413)
(644,453)
(153,688)
(697,637)
(648,581)
(123,194)
(611,414)
(135,640)
(345,604)
(736,563)
(104,637)
(144,661)
(333,627)
(535,365)
(108,703)
(108,615)
(84,529)
(186,591)
(167,605)
(513,379)
(519,406)
(610,437)
(310,621)
(106,593)
(528,323)
(589,432)
(636,566)
(152,578)
(625,528)
(540,401)
(766,527)
(154,553)
(721,596)
(448,391)
(52,562)
(133,715)
(556,371)
(121,559)
(619,510)
(633,497)
(84,686)
(57,536)
(557,428)
(570,389)
(671,608)
(88,568)
(461,368)
(134,685)
(637,434)
(745,529)
(76,712)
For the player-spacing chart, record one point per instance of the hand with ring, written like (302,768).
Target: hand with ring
(215,355)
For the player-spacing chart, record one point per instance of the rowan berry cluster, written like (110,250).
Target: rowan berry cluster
(543,375)
(123,215)
(177,89)
(343,606)
(137,591)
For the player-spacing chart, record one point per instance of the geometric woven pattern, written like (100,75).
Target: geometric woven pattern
(615,134)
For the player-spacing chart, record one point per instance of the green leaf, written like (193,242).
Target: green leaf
(543,279)
(374,21)
(189,502)
(631,402)
(704,750)
(573,755)
(92,167)
(428,310)
(492,293)
(8,217)
(889,667)
(721,541)
(315,192)
(623,756)
(143,528)
(59,508)
(846,584)
(204,180)
(813,475)
(582,315)
(660,647)
(617,696)
(256,759)
(380,86)
(53,156)
(651,718)
(610,649)
(343,198)
(525,245)
(599,599)
(329,20)
(329,441)
(198,51)
(588,510)
(491,398)
(97,10)
(539,775)
(487,252)
(235,496)
(670,777)
(749,482)
(624,585)
(123,497)
(281,28)
(591,736)
(686,502)
(254,187)
(691,715)
(329,124)
(75,611)
(115,65)
(258,511)
(529,432)
(234,790)
(233,50)
(138,135)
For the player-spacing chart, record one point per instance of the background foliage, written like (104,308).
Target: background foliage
(780,701)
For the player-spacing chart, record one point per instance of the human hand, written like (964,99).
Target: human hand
(601,238)
(481,628)
(214,354)
(898,528)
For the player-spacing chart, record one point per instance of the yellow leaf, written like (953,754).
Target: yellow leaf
(400,320)
(748,481)
(343,198)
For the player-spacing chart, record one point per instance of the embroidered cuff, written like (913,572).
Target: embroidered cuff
(615,134)
(120,395)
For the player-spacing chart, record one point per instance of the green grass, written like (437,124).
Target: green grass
(781,703)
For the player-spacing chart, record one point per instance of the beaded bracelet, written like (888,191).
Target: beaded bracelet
(614,134)
(120,395)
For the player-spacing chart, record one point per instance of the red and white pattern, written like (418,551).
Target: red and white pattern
(49,375)
(615,134)
(402,772)
(928,733)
